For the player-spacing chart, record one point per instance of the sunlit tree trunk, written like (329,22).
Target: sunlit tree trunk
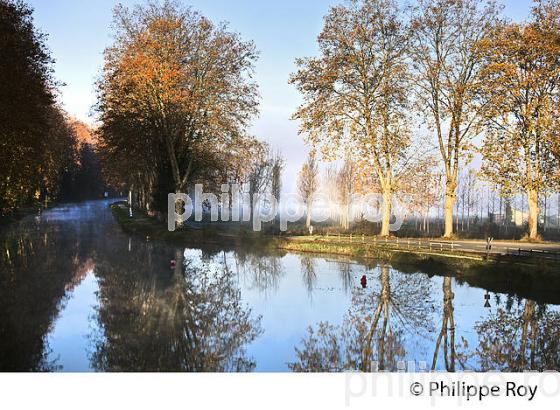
(386,217)
(449,203)
(533,201)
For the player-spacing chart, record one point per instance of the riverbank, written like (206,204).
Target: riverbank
(529,277)
(438,257)
(21,213)
(152,229)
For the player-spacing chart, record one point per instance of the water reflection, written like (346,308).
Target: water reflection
(308,273)
(524,337)
(263,272)
(42,259)
(76,293)
(373,331)
(190,318)
(345,273)
(511,338)
(447,332)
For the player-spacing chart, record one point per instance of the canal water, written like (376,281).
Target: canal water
(78,294)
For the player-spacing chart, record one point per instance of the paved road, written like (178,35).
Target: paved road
(547,249)
(498,247)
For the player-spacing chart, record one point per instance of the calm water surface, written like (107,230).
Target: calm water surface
(78,294)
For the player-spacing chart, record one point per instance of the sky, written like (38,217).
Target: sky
(283,30)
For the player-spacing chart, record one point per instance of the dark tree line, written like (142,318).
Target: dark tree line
(41,156)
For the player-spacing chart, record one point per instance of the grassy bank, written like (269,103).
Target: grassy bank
(150,228)
(451,261)
(527,277)
(530,278)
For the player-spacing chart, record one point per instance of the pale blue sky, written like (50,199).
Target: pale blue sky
(282,31)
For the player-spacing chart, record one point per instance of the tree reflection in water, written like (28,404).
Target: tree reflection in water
(39,266)
(526,337)
(189,320)
(263,271)
(345,272)
(372,334)
(447,333)
(308,273)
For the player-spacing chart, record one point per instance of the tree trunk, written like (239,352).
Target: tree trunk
(545,211)
(347,215)
(386,219)
(448,206)
(533,201)
(527,319)
(308,216)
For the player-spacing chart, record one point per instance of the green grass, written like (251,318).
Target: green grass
(226,236)
(531,278)
(497,272)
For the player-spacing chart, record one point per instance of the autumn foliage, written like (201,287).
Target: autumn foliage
(175,99)
(37,143)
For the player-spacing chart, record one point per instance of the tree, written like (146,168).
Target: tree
(175,94)
(35,142)
(59,154)
(426,193)
(278,164)
(523,66)
(471,191)
(260,172)
(447,72)
(340,185)
(88,177)
(307,184)
(84,177)
(355,93)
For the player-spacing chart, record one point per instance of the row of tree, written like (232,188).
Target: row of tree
(43,153)
(480,210)
(455,66)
